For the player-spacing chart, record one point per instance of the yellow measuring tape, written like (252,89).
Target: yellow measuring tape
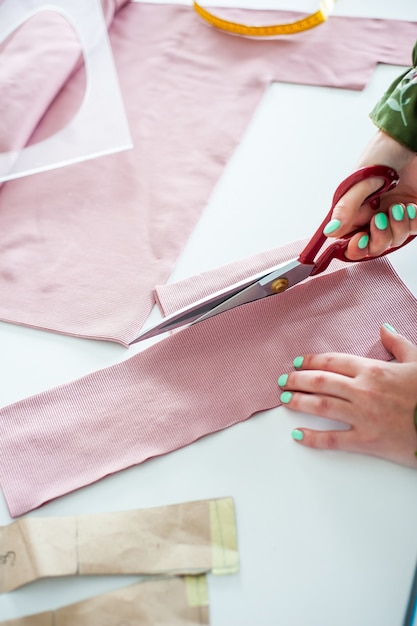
(305,23)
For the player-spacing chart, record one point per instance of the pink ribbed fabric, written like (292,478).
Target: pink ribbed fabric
(83,246)
(197,381)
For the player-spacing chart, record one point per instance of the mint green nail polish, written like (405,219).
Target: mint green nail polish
(298,361)
(363,242)
(411,211)
(285,397)
(390,328)
(397,212)
(381,221)
(298,435)
(332,226)
(282,380)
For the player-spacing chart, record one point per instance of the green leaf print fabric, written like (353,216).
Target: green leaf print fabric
(396,112)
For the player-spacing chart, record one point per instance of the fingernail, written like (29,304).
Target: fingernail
(282,380)
(381,221)
(397,212)
(298,361)
(298,435)
(411,211)
(363,242)
(390,328)
(285,397)
(331,227)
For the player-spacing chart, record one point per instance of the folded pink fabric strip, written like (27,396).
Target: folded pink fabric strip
(83,246)
(195,382)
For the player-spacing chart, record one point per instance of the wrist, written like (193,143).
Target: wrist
(385,150)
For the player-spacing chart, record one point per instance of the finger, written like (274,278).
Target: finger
(358,247)
(402,349)
(339,363)
(319,382)
(349,209)
(326,439)
(400,224)
(385,231)
(411,209)
(380,234)
(319,404)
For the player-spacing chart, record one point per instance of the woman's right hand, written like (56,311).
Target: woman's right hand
(396,218)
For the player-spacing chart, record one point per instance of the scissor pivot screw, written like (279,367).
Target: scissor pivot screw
(279,285)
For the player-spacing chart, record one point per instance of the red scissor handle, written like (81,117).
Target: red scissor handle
(337,249)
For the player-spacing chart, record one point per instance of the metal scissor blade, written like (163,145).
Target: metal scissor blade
(292,273)
(248,290)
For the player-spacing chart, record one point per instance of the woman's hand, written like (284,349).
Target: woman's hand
(397,217)
(376,399)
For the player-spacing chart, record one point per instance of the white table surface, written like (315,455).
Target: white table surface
(325,538)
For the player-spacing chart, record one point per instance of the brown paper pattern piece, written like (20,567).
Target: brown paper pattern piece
(188,538)
(161,602)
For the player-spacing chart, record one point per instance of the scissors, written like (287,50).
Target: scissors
(281,277)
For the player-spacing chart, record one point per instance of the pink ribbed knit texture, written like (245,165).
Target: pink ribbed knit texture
(83,246)
(195,382)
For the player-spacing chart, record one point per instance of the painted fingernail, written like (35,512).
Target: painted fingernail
(411,211)
(363,242)
(332,226)
(397,211)
(285,397)
(381,221)
(390,328)
(298,361)
(282,380)
(298,435)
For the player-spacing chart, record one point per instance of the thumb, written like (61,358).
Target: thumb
(402,349)
(350,211)
(326,439)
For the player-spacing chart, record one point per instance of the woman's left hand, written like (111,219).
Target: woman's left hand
(376,399)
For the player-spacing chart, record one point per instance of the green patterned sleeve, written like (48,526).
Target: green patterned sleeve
(396,112)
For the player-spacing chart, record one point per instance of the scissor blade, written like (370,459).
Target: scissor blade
(248,290)
(292,272)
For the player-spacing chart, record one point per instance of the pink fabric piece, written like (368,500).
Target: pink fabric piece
(83,246)
(197,381)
